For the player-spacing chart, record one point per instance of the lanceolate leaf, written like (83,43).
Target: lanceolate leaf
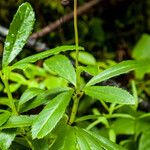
(19,31)
(110,94)
(51,115)
(6,138)
(65,134)
(104,142)
(31,59)
(5,101)
(63,67)
(4,117)
(42,98)
(41,144)
(118,69)
(144,143)
(86,141)
(84,57)
(29,94)
(18,121)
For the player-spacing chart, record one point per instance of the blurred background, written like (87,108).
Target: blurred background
(107,28)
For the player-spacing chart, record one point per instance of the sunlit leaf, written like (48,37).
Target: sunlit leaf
(84,57)
(42,98)
(110,94)
(142,48)
(6,138)
(118,69)
(29,94)
(19,31)
(63,67)
(86,141)
(22,64)
(50,115)
(104,142)
(4,117)
(18,121)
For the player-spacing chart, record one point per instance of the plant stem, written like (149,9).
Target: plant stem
(76,99)
(78,94)
(5,81)
(76,32)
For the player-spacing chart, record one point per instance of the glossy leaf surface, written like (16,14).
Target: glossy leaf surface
(6,138)
(118,69)
(110,94)
(63,67)
(104,142)
(42,98)
(19,31)
(50,115)
(18,121)
(86,141)
(31,59)
(29,94)
(4,117)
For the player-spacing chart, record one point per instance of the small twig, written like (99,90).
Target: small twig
(52,26)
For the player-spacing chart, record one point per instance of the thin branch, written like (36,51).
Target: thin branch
(54,25)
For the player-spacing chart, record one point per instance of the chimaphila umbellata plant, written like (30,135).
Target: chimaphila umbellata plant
(55,127)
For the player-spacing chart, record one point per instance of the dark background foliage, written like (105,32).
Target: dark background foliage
(111,25)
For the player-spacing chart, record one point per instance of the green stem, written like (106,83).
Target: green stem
(93,124)
(78,94)
(76,32)
(5,81)
(76,99)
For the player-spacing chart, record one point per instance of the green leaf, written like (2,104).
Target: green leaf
(124,126)
(5,101)
(40,144)
(84,58)
(28,95)
(144,143)
(20,143)
(86,141)
(118,69)
(63,67)
(41,99)
(110,94)
(104,142)
(142,48)
(32,71)
(6,138)
(19,31)
(18,121)
(52,82)
(50,115)
(22,64)
(13,87)
(91,69)
(142,125)
(16,77)
(65,134)
(4,117)
(142,51)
